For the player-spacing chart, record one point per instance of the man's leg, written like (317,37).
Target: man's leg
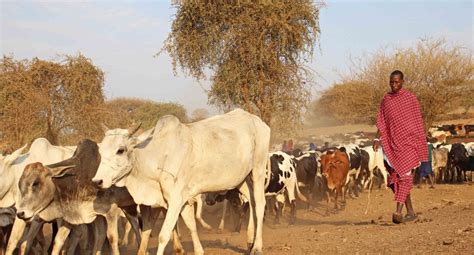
(410,211)
(431,180)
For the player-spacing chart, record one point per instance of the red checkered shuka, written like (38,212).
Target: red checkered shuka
(403,138)
(401,185)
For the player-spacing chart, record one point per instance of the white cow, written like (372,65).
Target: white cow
(172,163)
(375,161)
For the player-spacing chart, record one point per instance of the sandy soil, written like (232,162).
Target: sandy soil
(445,225)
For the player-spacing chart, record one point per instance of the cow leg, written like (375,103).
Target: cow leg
(30,237)
(224,209)
(328,200)
(149,216)
(175,205)
(61,237)
(199,200)
(112,218)
(246,192)
(127,227)
(242,210)
(293,212)
(86,239)
(188,217)
(77,233)
(278,210)
(133,220)
(17,232)
(99,235)
(310,197)
(258,178)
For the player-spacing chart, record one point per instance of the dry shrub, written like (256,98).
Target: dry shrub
(441,76)
(60,100)
(125,112)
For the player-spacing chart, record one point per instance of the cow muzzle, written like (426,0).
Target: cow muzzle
(98,182)
(23,216)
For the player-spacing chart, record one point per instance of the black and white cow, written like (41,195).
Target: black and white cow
(307,173)
(358,168)
(283,179)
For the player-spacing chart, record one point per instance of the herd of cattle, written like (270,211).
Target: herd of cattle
(173,168)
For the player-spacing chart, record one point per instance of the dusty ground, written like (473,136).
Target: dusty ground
(445,225)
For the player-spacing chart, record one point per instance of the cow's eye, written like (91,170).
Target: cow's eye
(35,184)
(120,151)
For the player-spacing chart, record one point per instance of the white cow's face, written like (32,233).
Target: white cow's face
(117,160)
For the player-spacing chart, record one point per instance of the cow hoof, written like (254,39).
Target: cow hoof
(255,252)
(249,248)
(179,251)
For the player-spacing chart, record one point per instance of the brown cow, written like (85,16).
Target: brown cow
(335,166)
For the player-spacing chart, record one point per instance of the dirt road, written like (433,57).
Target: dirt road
(445,225)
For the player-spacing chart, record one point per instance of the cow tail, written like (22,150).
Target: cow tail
(269,172)
(299,194)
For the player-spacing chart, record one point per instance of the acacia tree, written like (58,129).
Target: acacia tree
(125,112)
(255,53)
(441,76)
(61,101)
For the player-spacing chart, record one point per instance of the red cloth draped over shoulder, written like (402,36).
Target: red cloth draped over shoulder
(402,131)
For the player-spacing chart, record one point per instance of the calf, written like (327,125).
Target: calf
(335,167)
(283,177)
(238,205)
(65,190)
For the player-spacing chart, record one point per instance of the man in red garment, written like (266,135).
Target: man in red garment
(403,139)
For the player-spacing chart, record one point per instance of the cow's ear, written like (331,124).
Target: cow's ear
(60,171)
(9,159)
(145,136)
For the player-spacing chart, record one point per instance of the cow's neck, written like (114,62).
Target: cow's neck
(52,211)
(144,177)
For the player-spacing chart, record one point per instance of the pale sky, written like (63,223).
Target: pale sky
(122,37)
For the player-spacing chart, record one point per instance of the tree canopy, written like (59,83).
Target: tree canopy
(254,52)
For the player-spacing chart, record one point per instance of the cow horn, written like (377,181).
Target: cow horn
(133,130)
(104,127)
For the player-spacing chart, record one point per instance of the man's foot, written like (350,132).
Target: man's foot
(397,218)
(432,187)
(410,217)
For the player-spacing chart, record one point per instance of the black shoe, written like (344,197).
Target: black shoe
(397,218)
